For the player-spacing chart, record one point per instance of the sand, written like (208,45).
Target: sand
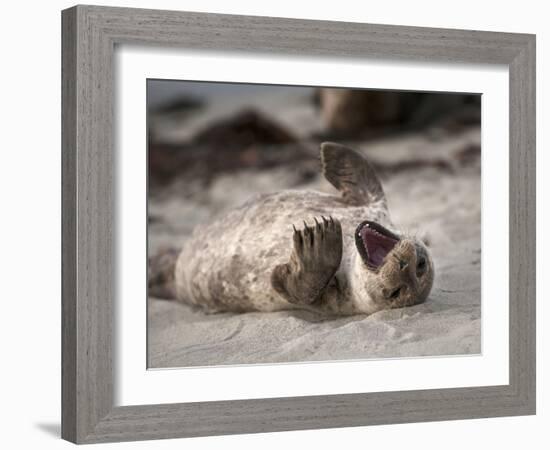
(432,183)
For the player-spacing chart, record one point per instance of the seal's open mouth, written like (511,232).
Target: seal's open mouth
(374,242)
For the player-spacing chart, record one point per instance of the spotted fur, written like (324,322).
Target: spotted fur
(231,263)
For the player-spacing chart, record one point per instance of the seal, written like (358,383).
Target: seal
(346,258)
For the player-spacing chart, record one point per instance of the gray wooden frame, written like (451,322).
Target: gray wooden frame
(90,34)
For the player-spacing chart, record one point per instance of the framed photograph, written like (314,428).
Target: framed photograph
(277,224)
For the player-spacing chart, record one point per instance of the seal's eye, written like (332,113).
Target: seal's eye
(395,293)
(421,267)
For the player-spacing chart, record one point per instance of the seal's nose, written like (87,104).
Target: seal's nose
(407,265)
(412,279)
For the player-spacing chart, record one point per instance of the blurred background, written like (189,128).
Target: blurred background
(212,146)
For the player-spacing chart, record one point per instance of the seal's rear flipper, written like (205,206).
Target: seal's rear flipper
(351,174)
(160,274)
(315,258)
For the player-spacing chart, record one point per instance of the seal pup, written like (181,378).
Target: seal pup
(346,258)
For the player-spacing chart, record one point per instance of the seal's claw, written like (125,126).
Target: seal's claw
(298,238)
(318,226)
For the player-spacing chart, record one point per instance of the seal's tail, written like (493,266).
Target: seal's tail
(160,274)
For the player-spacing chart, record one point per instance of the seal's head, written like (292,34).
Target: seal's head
(395,271)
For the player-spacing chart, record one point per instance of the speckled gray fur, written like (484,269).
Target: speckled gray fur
(227,265)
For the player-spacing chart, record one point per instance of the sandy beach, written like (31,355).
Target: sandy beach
(432,182)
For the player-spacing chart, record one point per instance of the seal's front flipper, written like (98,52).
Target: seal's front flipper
(351,174)
(315,258)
